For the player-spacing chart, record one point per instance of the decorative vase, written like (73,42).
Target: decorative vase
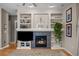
(59,43)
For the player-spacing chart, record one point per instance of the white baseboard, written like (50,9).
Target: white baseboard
(4,47)
(68,51)
(23,48)
(54,48)
(57,48)
(12,42)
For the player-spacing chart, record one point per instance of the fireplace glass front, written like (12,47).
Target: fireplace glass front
(41,41)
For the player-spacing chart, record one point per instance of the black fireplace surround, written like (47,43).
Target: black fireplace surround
(41,41)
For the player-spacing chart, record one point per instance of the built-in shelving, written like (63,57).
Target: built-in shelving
(25,21)
(4,29)
(38,22)
(56,18)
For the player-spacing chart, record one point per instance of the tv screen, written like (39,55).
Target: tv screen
(24,36)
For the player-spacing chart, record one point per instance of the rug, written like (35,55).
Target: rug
(36,52)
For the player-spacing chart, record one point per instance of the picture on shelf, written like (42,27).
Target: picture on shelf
(28,21)
(69,15)
(25,26)
(69,30)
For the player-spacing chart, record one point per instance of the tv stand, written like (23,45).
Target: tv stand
(23,44)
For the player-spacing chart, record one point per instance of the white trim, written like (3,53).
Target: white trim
(57,48)
(78,36)
(12,42)
(0,28)
(5,47)
(68,52)
(63,49)
(23,48)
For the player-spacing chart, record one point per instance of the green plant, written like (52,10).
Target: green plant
(58,32)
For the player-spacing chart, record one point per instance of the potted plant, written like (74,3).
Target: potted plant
(58,32)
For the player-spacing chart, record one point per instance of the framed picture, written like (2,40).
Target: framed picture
(69,30)
(69,15)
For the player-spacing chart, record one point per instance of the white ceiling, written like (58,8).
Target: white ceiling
(12,7)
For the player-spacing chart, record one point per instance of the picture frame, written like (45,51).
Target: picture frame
(69,15)
(69,30)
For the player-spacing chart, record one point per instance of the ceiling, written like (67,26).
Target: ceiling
(11,8)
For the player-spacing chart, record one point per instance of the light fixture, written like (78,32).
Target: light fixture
(51,6)
(31,6)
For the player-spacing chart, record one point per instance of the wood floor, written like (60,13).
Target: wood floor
(8,50)
(12,48)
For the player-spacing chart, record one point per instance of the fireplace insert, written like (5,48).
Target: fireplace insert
(41,41)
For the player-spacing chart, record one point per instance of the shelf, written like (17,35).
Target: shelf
(25,15)
(53,23)
(25,26)
(33,29)
(56,19)
(25,23)
(25,18)
(36,29)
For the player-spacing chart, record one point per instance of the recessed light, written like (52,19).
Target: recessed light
(31,6)
(51,6)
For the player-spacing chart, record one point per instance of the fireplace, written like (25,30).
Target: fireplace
(41,41)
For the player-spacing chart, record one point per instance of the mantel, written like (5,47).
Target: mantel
(37,29)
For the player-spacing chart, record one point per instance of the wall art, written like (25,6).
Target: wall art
(69,30)
(69,15)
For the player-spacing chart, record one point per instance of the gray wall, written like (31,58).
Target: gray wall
(4,29)
(70,43)
(48,34)
(12,19)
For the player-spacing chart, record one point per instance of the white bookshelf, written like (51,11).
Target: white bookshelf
(32,22)
(55,18)
(25,21)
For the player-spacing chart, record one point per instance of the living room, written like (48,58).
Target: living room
(33,26)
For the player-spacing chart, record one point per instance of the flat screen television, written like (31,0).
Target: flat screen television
(24,36)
